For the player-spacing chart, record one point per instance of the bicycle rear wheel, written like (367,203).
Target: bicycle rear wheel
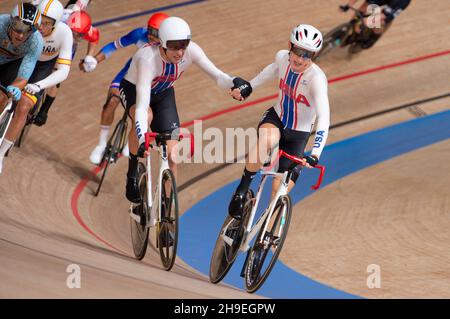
(333,39)
(167,227)
(111,152)
(267,246)
(224,253)
(139,230)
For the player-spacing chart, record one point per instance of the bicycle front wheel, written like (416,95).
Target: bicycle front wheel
(139,230)
(228,242)
(267,246)
(167,227)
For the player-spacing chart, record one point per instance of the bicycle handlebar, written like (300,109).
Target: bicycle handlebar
(3,89)
(301,161)
(174,137)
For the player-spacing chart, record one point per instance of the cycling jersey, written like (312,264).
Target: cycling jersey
(152,74)
(57,45)
(30,50)
(301,97)
(137,37)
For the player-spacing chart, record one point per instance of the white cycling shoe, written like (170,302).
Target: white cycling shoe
(97,154)
(1,164)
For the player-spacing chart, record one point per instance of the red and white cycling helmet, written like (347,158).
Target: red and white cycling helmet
(307,37)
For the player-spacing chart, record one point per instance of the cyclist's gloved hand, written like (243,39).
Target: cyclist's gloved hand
(32,88)
(311,160)
(89,63)
(244,87)
(141,150)
(15,92)
(344,8)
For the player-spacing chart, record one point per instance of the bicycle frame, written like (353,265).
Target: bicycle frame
(8,109)
(250,229)
(154,202)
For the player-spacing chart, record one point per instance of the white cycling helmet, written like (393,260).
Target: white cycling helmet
(172,29)
(52,9)
(307,37)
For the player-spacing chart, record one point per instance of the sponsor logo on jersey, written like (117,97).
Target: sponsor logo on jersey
(49,50)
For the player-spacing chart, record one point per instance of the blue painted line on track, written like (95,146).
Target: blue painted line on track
(143,13)
(201,223)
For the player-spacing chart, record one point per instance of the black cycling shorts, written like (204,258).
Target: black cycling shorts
(291,141)
(164,108)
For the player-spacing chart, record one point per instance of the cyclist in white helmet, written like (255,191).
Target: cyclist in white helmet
(302,97)
(147,89)
(57,51)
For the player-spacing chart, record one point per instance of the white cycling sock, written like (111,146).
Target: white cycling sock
(5,147)
(104,132)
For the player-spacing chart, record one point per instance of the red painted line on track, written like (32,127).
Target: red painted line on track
(78,190)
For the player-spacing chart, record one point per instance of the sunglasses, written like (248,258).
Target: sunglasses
(302,53)
(19,26)
(176,45)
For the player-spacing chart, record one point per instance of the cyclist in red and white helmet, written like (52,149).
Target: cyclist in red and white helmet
(302,98)
(139,37)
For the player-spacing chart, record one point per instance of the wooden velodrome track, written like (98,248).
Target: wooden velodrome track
(394,214)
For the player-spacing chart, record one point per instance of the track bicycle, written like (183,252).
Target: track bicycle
(345,35)
(160,210)
(268,233)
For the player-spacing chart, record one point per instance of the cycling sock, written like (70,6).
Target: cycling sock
(6,145)
(246,180)
(104,131)
(47,103)
(132,165)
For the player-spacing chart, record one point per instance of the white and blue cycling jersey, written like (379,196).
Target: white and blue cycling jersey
(30,50)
